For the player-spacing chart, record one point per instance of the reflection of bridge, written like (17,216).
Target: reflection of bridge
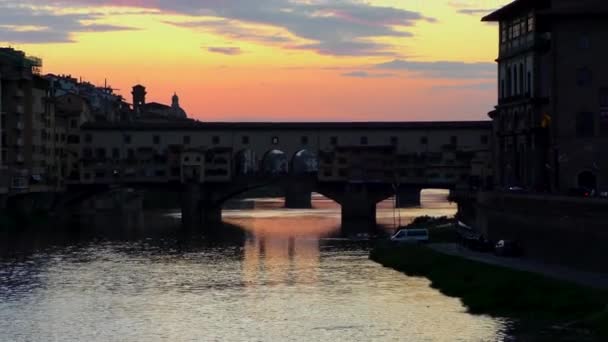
(355,164)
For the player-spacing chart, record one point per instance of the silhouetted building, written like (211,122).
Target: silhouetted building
(30,138)
(155,110)
(551,121)
(104,104)
(139,98)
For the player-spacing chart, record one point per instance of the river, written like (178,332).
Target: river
(271,274)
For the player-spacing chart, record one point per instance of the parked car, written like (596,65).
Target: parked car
(580,192)
(479,244)
(515,188)
(411,235)
(510,248)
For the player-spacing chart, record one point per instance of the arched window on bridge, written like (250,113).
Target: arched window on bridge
(304,162)
(245,163)
(275,163)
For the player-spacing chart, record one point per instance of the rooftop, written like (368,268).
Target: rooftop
(197,125)
(550,7)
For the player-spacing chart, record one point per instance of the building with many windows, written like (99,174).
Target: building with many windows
(551,120)
(29,155)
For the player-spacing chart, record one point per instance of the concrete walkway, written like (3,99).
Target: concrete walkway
(596,280)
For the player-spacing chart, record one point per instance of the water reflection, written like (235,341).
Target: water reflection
(267,275)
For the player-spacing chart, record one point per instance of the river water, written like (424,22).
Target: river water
(269,274)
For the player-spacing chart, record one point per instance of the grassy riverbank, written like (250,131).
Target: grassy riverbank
(535,302)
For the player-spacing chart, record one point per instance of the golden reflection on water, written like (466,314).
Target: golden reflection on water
(289,280)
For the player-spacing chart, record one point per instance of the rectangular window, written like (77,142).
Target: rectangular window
(100,153)
(531,24)
(454,140)
(484,139)
(186,140)
(363,140)
(156,139)
(304,140)
(333,141)
(215,140)
(424,140)
(516,30)
(88,138)
(583,77)
(584,125)
(115,153)
(394,140)
(245,140)
(127,139)
(274,140)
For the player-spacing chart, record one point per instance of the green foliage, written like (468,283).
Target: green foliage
(441,229)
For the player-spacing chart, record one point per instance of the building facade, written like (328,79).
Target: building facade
(551,121)
(29,136)
(431,153)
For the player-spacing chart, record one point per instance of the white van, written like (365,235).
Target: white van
(411,235)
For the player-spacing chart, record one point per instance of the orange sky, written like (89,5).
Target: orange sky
(277,60)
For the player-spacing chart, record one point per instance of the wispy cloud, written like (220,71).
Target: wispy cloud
(481,86)
(225,50)
(17,21)
(471,7)
(443,69)
(365,74)
(340,27)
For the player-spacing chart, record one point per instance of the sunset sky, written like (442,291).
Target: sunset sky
(273,60)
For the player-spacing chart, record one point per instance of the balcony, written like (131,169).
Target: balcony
(19,158)
(19,125)
(19,142)
(19,109)
(19,93)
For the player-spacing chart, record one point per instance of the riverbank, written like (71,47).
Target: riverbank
(12,221)
(541,308)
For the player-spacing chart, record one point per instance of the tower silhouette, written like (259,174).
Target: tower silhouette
(139,98)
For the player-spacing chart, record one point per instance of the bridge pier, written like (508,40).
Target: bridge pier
(358,206)
(198,209)
(358,212)
(297,196)
(408,196)
(192,213)
(211,213)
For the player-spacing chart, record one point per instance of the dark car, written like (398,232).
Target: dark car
(580,192)
(508,248)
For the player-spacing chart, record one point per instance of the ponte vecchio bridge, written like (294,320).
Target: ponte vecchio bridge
(356,164)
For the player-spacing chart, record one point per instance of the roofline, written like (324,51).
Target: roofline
(499,13)
(203,126)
